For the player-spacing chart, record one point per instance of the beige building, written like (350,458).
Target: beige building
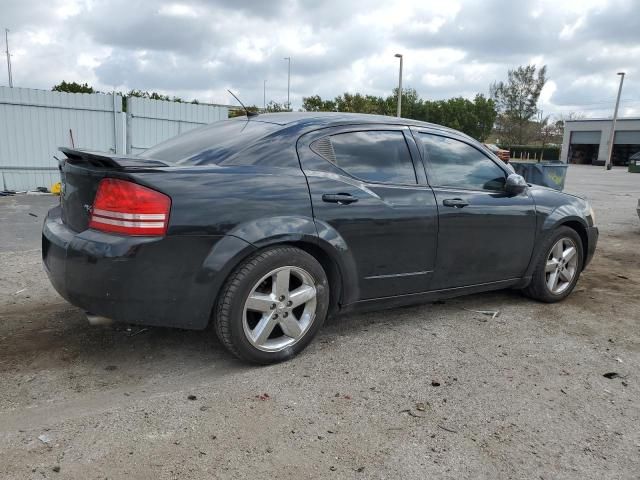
(587,141)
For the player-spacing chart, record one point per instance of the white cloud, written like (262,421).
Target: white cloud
(198,48)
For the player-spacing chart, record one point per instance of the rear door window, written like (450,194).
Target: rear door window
(380,156)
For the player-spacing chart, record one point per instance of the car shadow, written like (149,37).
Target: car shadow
(60,337)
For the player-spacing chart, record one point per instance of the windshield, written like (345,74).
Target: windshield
(210,144)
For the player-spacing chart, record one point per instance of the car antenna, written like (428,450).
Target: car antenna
(249,114)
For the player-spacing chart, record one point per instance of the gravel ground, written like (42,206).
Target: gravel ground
(430,391)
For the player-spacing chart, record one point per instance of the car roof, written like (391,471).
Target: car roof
(337,118)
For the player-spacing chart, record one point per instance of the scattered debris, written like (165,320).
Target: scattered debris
(20,291)
(192,397)
(624,384)
(263,396)
(563,391)
(447,429)
(491,313)
(332,468)
(611,375)
(204,408)
(360,469)
(413,413)
(624,277)
(434,383)
(44,439)
(421,406)
(56,468)
(138,332)
(111,368)
(618,359)
(437,302)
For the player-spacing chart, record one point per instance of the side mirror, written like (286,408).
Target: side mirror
(515,184)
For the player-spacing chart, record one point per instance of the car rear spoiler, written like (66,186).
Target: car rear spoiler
(106,160)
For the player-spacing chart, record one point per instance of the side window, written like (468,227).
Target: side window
(456,164)
(374,156)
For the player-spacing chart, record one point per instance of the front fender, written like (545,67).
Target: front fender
(560,215)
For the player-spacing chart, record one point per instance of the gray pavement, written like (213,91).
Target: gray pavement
(431,391)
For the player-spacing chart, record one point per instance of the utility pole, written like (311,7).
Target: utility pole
(6,39)
(288,83)
(613,123)
(399,113)
(264,96)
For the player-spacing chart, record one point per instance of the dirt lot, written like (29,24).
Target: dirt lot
(422,392)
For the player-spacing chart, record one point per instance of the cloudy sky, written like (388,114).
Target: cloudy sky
(198,48)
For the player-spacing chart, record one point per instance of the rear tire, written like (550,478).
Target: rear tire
(558,265)
(272,305)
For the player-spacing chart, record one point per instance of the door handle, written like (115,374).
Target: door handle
(455,202)
(339,198)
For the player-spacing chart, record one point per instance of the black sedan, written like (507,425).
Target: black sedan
(265,225)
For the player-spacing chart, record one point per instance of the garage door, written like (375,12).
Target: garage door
(631,137)
(585,138)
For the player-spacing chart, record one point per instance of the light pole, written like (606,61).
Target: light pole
(613,123)
(288,83)
(264,96)
(399,113)
(9,72)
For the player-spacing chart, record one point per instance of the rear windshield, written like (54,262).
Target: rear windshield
(210,144)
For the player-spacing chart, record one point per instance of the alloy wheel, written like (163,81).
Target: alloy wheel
(561,266)
(280,309)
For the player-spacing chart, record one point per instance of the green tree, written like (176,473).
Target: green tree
(517,102)
(485,112)
(315,103)
(475,118)
(73,87)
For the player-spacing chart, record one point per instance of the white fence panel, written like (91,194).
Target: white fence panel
(34,123)
(150,122)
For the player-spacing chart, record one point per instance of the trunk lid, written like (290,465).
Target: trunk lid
(80,174)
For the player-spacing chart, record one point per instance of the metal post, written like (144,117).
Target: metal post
(288,83)
(613,123)
(115,124)
(264,96)
(399,112)
(9,72)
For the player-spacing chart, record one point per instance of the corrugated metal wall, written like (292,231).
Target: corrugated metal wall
(34,123)
(150,122)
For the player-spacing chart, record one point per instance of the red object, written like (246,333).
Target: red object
(128,208)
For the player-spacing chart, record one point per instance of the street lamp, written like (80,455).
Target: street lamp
(288,83)
(264,96)
(613,123)
(399,112)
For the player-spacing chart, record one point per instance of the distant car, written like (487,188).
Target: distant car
(265,225)
(501,153)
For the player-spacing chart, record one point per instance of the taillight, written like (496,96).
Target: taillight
(126,207)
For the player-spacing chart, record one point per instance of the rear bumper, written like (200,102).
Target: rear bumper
(140,280)
(592,241)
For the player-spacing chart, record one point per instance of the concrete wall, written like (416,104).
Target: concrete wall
(601,125)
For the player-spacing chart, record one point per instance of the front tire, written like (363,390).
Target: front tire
(272,305)
(557,267)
